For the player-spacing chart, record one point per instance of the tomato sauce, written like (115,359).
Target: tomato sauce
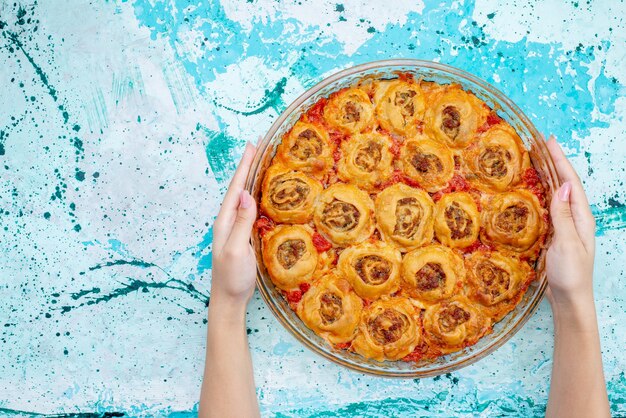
(320,243)
(264,225)
(316,113)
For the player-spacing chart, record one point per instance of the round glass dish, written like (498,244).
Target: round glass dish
(442,74)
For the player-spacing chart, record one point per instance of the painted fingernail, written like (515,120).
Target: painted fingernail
(564,191)
(245,200)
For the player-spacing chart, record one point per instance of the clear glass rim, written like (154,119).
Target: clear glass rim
(540,149)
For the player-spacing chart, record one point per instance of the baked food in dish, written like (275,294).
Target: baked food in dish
(405,216)
(290,256)
(307,148)
(432,273)
(389,329)
(288,195)
(457,220)
(429,163)
(332,309)
(373,269)
(344,214)
(401,219)
(366,160)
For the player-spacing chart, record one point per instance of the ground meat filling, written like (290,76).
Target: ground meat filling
(307,144)
(388,326)
(451,317)
(451,121)
(289,252)
(341,216)
(368,157)
(352,112)
(495,280)
(426,163)
(408,217)
(404,99)
(331,308)
(430,277)
(513,219)
(458,221)
(288,194)
(373,269)
(492,161)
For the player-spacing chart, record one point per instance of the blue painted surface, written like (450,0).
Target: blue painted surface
(121,124)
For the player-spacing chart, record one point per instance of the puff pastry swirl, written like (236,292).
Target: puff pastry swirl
(400,106)
(373,269)
(514,221)
(289,255)
(331,309)
(389,329)
(306,148)
(366,160)
(405,216)
(457,220)
(288,195)
(428,162)
(344,214)
(350,110)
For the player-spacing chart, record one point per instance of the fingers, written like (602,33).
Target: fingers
(228,211)
(578,203)
(561,213)
(242,226)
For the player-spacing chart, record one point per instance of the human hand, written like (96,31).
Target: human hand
(234,268)
(569,261)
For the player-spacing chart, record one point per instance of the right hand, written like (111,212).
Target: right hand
(569,261)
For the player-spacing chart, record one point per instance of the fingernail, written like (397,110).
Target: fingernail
(245,200)
(564,191)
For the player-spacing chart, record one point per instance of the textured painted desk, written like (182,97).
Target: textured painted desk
(121,123)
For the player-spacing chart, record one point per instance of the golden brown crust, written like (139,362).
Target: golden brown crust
(433,273)
(454,324)
(400,106)
(306,148)
(454,116)
(350,110)
(457,220)
(372,268)
(514,222)
(497,160)
(429,163)
(366,160)
(405,216)
(331,309)
(389,329)
(497,281)
(289,256)
(344,214)
(287,196)
(360,249)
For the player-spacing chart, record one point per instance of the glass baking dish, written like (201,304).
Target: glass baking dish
(428,71)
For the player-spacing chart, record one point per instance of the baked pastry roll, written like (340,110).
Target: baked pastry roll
(331,309)
(373,269)
(457,220)
(366,160)
(287,196)
(428,162)
(432,273)
(389,329)
(514,221)
(289,255)
(453,324)
(306,148)
(344,214)
(497,281)
(454,116)
(497,161)
(400,106)
(405,216)
(350,110)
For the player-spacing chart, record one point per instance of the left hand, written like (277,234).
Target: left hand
(234,266)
